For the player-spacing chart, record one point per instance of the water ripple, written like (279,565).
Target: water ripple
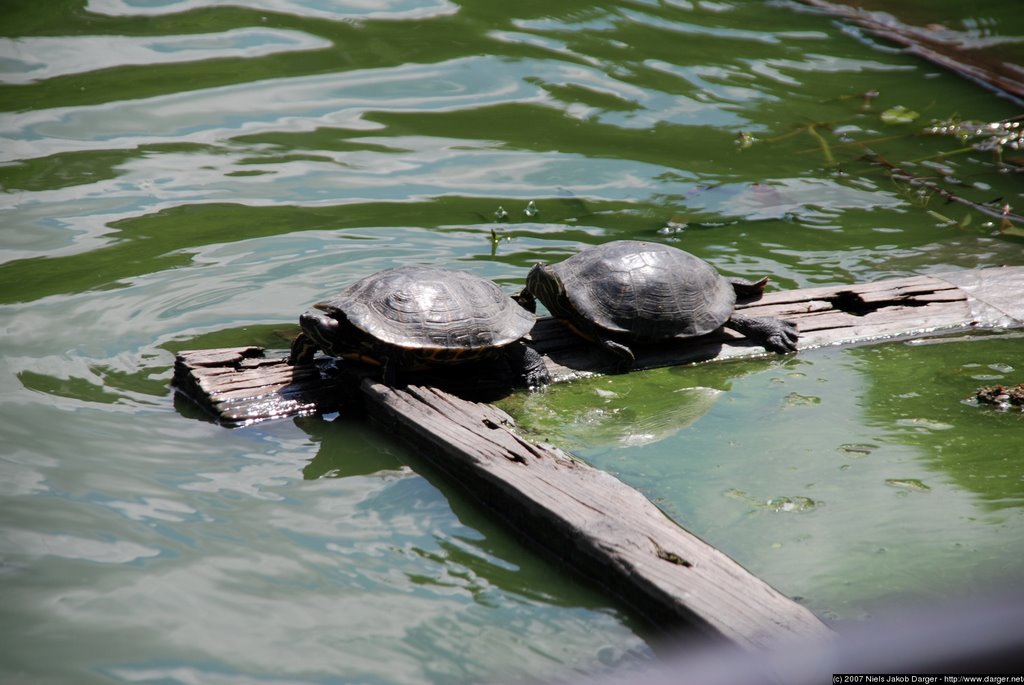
(318,9)
(25,60)
(214,115)
(29,543)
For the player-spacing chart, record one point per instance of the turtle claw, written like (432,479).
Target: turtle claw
(784,340)
(776,335)
(528,365)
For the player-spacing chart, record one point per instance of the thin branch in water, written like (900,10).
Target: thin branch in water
(826,150)
(854,143)
(1002,213)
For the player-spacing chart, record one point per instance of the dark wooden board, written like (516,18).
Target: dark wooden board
(239,386)
(591,521)
(827,315)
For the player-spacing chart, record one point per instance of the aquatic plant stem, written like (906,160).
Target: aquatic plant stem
(899,173)
(830,160)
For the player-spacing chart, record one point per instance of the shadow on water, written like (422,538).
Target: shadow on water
(610,411)
(353,446)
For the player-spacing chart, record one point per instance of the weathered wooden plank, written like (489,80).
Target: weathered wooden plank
(590,520)
(586,518)
(240,382)
(995,296)
(239,386)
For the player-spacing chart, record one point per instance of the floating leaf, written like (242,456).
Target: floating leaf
(899,115)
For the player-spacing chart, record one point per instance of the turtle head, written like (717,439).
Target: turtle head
(544,284)
(319,332)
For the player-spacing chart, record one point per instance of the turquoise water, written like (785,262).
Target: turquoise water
(847,478)
(194,174)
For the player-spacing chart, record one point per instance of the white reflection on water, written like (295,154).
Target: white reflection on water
(20,476)
(307,103)
(154,509)
(25,543)
(24,60)
(316,9)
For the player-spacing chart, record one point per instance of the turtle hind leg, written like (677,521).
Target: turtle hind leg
(775,335)
(302,351)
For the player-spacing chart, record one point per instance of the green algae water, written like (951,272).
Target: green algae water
(848,477)
(191,174)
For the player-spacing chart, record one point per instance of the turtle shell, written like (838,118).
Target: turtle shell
(646,292)
(426,309)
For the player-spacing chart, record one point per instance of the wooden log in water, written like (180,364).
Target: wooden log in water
(985,64)
(241,385)
(827,315)
(238,386)
(591,521)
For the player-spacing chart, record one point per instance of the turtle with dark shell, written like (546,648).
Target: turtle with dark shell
(630,292)
(415,318)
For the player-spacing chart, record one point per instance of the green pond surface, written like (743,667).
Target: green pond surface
(191,174)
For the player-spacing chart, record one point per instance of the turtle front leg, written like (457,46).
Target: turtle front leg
(529,366)
(303,350)
(774,335)
(588,331)
(390,371)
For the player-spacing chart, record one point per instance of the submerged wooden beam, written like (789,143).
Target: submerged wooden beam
(986,64)
(591,521)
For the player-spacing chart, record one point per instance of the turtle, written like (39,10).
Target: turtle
(629,291)
(413,318)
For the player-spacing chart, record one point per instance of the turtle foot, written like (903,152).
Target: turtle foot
(776,335)
(533,372)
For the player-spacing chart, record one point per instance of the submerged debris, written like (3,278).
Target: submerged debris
(908,484)
(1001,396)
(993,136)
